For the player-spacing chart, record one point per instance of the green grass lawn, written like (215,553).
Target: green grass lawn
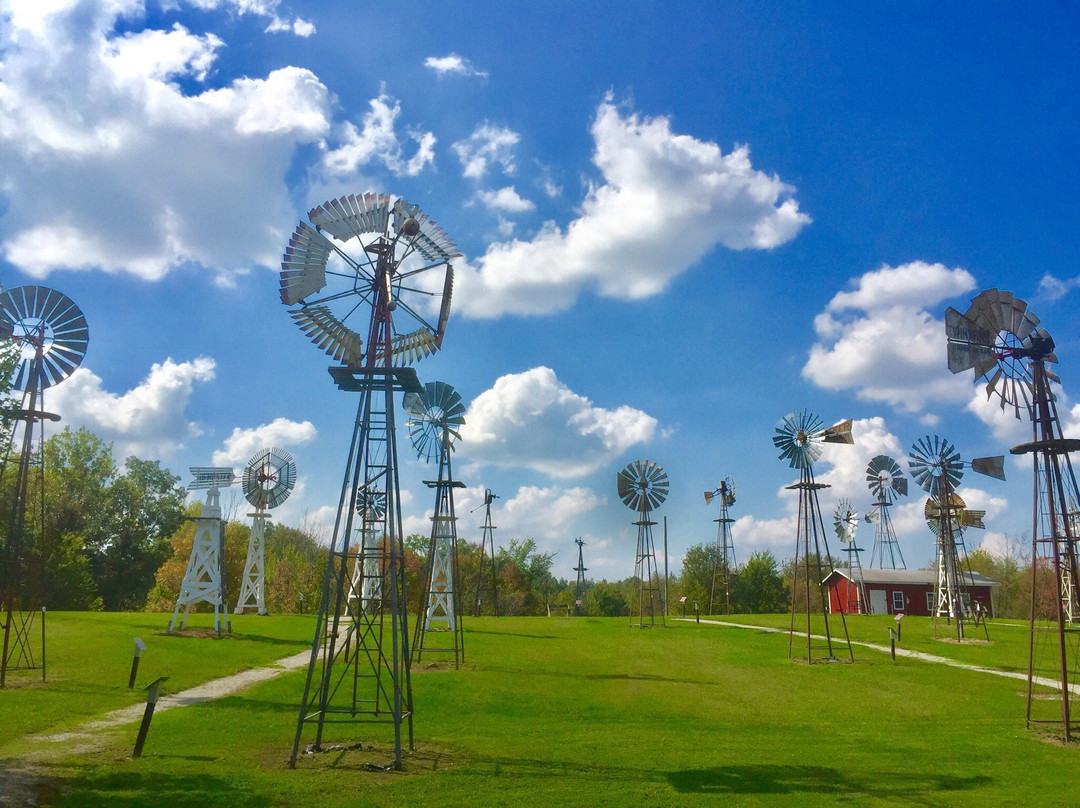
(563,711)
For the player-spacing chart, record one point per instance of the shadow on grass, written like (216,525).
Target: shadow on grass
(625,677)
(514,634)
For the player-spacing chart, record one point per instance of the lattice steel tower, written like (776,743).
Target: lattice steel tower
(388,284)
(846,524)
(436,416)
(267,482)
(490,583)
(1000,339)
(799,436)
(886,481)
(643,486)
(52,334)
(580,603)
(724,553)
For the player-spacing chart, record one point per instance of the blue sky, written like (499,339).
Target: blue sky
(679,223)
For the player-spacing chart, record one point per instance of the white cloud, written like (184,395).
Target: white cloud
(1052,288)
(881,341)
(452,64)
(261,8)
(665,201)
(532,420)
(377,141)
(147,421)
(86,118)
(505,199)
(242,444)
(488,144)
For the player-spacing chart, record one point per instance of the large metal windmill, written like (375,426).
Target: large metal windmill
(52,334)
(204,578)
(887,482)
(268,480)
(489,583)
(846,525)
(937,467)
(436,415)
(1001,340)
(724,555)
(799,437)
(370,281)
(643,487)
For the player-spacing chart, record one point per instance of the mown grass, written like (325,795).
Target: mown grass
(590,712)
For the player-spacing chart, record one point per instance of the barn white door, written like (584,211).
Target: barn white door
(878,603)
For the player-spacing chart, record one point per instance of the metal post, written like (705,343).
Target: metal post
(892,643)
(151,701)
(666,591)
(140,646)
(697,612)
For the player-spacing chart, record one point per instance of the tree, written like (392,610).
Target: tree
(698,566)
(758,587)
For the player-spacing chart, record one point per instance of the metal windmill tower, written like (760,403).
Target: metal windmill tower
(886,481)
(267,482)
(368,559)
(436,416)
(1000,339)
(487,544)
(846,524)
(579,588)
(724,558)
(799,437)
(204,580)
(371,281)
(53,335)
(936,466)
(643,486)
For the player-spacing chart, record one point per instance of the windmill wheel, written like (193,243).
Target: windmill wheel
(797,438)
(371,505)
(958,514)
(642,485)
(40,317)
(933,460)
(845,521)
(886,479)
(437,415)
(725,490)
(397,271)
(269,478)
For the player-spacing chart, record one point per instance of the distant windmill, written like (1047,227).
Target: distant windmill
(1000,339)
(579,587)
(724,556)
(204,580)
(268,480)
(643,487)
(886,481)
(490,582)
(799,437)
(846,524)
(937,467)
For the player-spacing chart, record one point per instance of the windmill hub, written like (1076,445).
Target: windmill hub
(410,227)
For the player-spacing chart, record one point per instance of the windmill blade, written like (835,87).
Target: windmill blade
(44,318)
(968,342)
(845,521)
(330,334)
(269,478)
(971,518)
(727,489)
(642,485)
(794,437)
(431,241)
(933,460)
(990,466)
(353,216)
(436,414)
(303,266)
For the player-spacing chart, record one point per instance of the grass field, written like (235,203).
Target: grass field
(546,712)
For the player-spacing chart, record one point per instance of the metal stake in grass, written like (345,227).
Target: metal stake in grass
(140,646)
(152,691)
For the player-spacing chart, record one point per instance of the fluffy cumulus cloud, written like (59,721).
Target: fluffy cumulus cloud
(1054,288)
(486,146)
(267,9)
(653,182)
(147,421)
(377,140)
(242,444)
(452,65)
(881,340)
(506,200)
(532,420)
(118,158)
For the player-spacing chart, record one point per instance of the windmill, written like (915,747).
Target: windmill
(846,524)
(937,467)
(579,586)
(487,544)
(886,481)
(643,486)
(267,481)
(52,335)
(436,417)
(365,589)
(1001,340)
(799,437)
(370,281)
(724,557)
(204,579)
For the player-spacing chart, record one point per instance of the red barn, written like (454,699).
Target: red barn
(900,592)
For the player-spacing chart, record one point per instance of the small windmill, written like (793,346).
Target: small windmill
(643,487)
(365,588)
(490,583)
(886,481)
(846,524)
(799,437)
(268,480)
(937,467)
(52,334)
(436,417)
(1001,340)
(724,556)
(579,587)
(204,580)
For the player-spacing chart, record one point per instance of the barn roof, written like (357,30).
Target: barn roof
(914,577)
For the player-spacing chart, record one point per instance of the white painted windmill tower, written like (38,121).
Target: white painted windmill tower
(267,482)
